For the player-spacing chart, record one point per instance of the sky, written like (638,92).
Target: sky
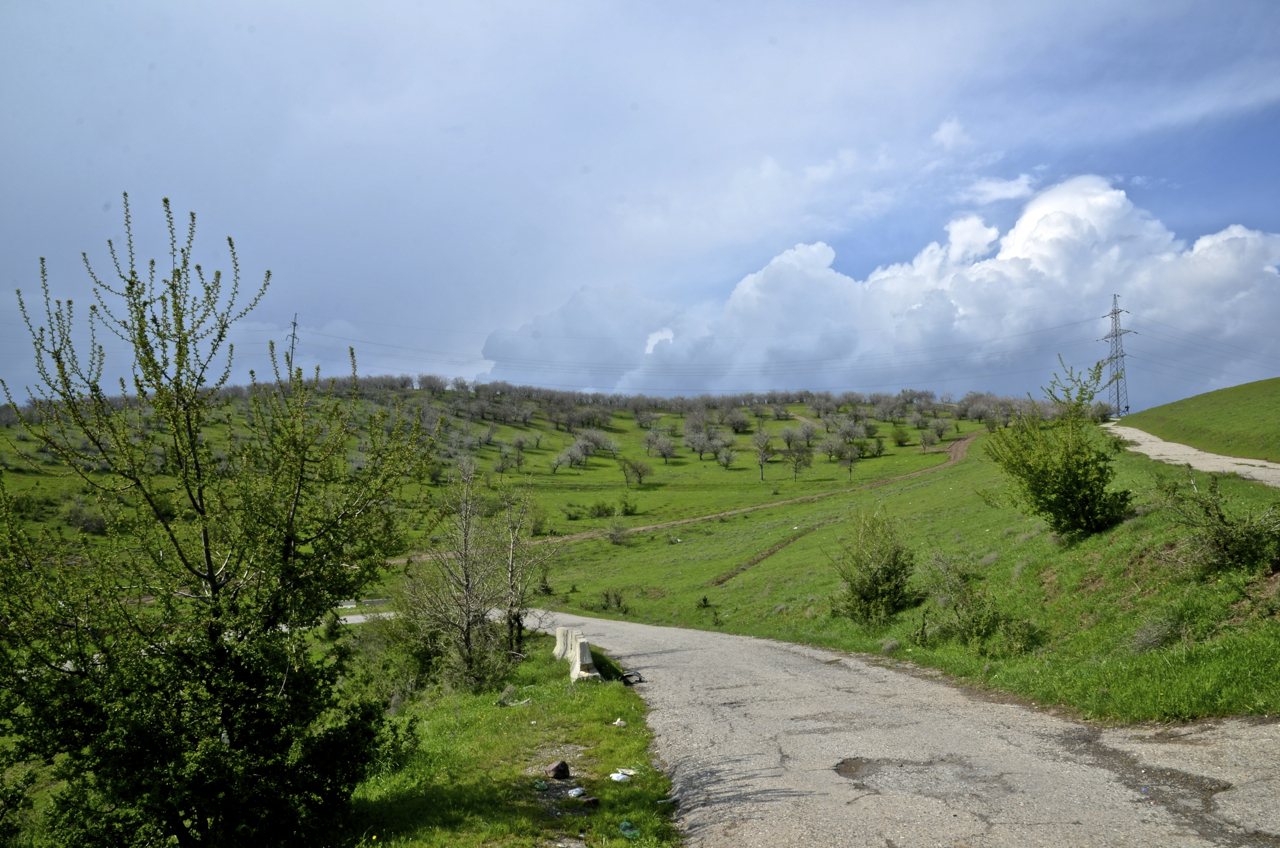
(670,198)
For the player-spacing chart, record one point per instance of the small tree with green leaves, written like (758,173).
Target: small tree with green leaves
(1060,469)
(166,668)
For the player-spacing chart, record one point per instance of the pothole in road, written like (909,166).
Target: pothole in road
(943,778)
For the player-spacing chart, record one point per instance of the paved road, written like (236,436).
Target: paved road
(773,744)
(1179,454)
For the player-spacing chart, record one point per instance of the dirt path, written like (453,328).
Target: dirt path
(1179,454)
(773,744)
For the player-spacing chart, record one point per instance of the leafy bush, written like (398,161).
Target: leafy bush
(601,509)
(1223,538)
(875,566)
(1060,470)
(963,609)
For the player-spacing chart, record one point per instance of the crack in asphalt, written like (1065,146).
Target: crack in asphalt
(770,743)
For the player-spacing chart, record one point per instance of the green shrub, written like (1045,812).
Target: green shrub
(1060,470)
(601,509)
(875,566)
(1223,537)
(965,610)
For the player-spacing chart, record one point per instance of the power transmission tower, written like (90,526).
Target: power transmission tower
(1118,391)
(293,339)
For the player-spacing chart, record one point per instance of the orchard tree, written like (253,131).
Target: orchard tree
(798,456)
(166,669)
(762,444)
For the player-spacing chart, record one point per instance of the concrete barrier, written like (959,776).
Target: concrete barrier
(562,643)
(583,666)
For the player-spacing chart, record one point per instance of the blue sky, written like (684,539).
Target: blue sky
(648,197)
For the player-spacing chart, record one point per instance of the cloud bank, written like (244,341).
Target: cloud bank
(979,311)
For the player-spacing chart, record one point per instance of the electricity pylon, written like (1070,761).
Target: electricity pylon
(1118,392)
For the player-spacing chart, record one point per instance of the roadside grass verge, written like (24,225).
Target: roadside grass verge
(475,774)
(1237,421)
(1112,628)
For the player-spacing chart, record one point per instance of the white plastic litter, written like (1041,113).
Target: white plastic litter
(619,777)
(619,723)
(577,792)
(627,772)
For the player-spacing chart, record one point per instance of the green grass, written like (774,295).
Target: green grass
(474,779)
(1087,601)
(1240,421)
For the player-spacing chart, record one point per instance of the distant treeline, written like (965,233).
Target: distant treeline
(508,403)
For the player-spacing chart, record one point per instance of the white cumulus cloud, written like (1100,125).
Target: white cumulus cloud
(953,318)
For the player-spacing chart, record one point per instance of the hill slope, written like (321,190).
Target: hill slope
(1240,421)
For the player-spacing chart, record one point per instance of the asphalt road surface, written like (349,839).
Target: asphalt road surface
(773,744)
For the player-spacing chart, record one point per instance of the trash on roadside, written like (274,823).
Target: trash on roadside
(577,792)
(558,770)
(628,829)
(631,678)
(590,802)
(627,772)
(540,785)
(618,777)
(619,723)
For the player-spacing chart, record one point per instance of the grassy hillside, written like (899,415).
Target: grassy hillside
(1240,421)
(574,499)
(1115,629)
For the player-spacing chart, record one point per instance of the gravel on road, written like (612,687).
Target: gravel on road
(776,744)
(1179,454)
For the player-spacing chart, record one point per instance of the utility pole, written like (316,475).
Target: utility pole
(1118,392)
(293,339)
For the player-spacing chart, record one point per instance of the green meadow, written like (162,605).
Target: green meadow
(1119,632)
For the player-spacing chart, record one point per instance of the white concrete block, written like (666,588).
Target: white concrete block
(562,643)
(583,667)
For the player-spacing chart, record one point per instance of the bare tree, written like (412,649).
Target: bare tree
(791,437)
(635,469)
(807,432)
(697,441)
(725,458)
(848,460)
(457,589)
(762,443)
(665,448)
(735,419)
(833,447)
(798,456)
(432,384)
(519,560)
(940,426)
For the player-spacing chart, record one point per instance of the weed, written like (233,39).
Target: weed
(611,599)
(616,533)
(601,509)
